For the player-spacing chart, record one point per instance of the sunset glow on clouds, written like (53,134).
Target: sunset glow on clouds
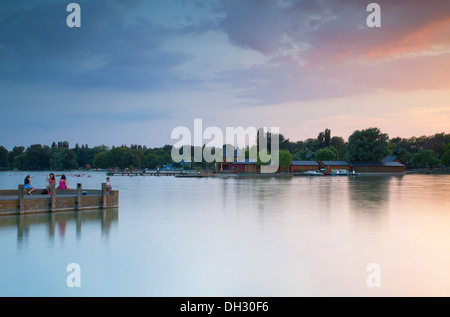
(137,69)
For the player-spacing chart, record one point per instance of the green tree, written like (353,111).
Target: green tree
(327,137)
(392,147)
(312,144)
(298,146)
(85,155)
(425,158)
(283,142)
(259,162)
(16,151)
(18,161)
(445,158)
(436,143)
(56,159)
(4,161)
(285,158)
(36,157)
(406,157)
(299,155)
(321,139)
(327,154)
(101,160)
(156,157)
(338,143)
(261,134)
(62,159)
(367,145)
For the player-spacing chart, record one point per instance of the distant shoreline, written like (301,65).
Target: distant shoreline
(437,171)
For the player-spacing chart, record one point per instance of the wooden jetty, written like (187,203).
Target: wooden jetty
(19,202)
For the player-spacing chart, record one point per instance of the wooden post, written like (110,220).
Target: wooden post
(104,195)
(52,226)
(53,196)
(20,227)
(79,196)
(21,198)
(78,226)
(104,211)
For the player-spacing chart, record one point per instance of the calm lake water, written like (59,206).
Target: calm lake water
(297,236)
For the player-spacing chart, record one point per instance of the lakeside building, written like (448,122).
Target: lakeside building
(378,167)
(392,158)
(237,164)
(227,162)
(334,165)
(244,166)
(303,166)
(390,164)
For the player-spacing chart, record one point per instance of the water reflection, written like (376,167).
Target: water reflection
(300,236)
(270,192)
(371,193)
(59,222)
(372,205)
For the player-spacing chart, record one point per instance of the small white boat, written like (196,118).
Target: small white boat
(343,173)
(310,173)
(339,172)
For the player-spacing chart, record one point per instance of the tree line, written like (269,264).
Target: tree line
(363,145)
(371,145)
(59,156)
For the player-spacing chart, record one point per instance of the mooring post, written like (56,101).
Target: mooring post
(20,227)
(21,198)
(78,226)
(53,196)
(79,196)
(52,225)
(104,195)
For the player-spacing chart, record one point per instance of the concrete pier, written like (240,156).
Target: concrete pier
(19,202)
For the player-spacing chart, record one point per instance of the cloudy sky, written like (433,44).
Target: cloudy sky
(136,70)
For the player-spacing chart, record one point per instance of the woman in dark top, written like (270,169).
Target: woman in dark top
(27,185)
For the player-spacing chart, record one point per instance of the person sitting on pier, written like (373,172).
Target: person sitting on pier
(51,180)
(63,183)
(108,186)
(27,185)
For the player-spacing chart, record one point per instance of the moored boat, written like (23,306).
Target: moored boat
(309,173)
(342,172)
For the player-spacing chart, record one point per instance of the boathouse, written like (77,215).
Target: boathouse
(378,167)
(303,166)
(392,158)
(244,166)
(227,161)
(334,165)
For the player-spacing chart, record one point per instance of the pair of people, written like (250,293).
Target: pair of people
(52,180)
